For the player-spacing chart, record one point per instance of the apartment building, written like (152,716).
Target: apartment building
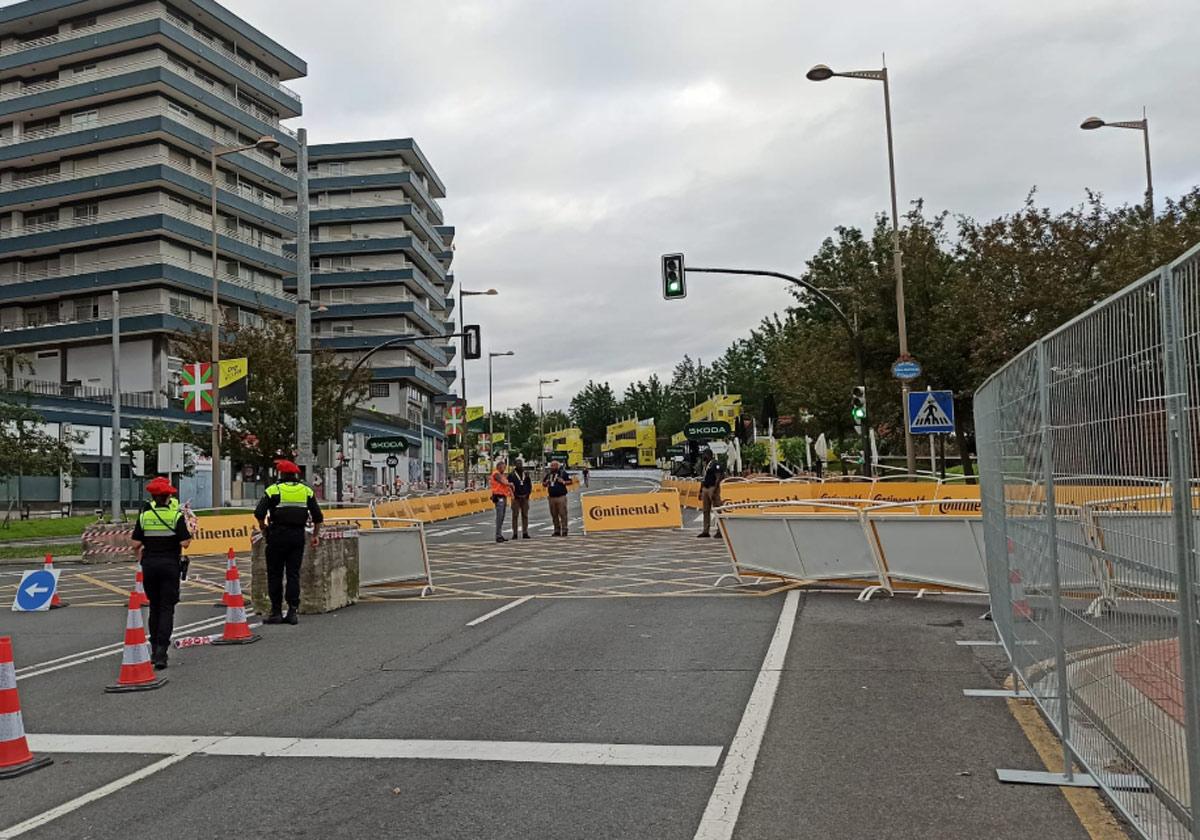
(380,257)
(109,113)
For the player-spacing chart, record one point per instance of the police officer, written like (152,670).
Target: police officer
(161,533)
(290,504)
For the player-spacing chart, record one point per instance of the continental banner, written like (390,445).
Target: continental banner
(631,511)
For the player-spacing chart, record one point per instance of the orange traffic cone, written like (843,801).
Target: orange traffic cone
(56,603)
(15,757)
(139,590)
(237,629)
(137,674)
(230,563)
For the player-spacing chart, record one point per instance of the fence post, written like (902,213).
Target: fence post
(1060,647)
(1175,394)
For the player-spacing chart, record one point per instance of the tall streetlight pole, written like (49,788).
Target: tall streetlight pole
(821,73)
(1142,125)
(266,144)
(541,411)
(491,431)
(462,293)
(304,417)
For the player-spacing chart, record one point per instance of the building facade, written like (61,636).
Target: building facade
(380,257)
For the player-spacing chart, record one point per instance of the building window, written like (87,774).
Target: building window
(342,263)
(85,213)
(179,110)
(87,309)
(315,264)
(249,319)
(343,328)
(380,390)
(181,306)
(83,119)
(83,23)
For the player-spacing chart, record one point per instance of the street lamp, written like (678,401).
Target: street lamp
(266,144)
(1142,125)
(821,73)
(462,293)
(490,357)
(541,412)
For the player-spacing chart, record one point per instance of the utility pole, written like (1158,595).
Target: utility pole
(116,403)
(304,395)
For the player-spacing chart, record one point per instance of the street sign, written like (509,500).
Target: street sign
(380,445)
(392,461)
(35,591)
(931,412)
(707,430)
(675,450)
(906,369)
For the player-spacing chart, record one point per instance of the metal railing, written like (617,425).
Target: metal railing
(43,388)
(1087,446)
(138,17)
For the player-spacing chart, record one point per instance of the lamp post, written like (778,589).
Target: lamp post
(266,144)
(1142,125)
(821,73)
(462,293)
(491,356)
(541,412)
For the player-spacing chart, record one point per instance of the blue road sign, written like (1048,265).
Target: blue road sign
(931,412)
(35,591)
(906,369)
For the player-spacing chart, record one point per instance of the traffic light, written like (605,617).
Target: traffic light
(472,346)
(858,406)
(674,277)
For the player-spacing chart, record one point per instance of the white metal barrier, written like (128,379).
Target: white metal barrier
(394,553)
(943,551)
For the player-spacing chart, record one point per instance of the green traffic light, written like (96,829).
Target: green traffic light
(858,413)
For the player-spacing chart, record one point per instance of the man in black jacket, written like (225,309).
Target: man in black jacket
(522,486)
(711,475)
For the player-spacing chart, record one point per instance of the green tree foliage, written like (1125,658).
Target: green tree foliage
(151,433)
(26,448)
(593,410)
(264,428)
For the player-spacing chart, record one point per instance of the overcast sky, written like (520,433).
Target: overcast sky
(580,139)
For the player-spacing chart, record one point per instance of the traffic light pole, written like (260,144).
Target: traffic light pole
(855,337)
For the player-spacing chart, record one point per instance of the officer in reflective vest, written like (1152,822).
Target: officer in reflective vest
(161,533)
(290,503)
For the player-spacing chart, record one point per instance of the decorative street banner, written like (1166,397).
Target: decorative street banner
(235,382)
(453,415)
(475,419)
(197,387)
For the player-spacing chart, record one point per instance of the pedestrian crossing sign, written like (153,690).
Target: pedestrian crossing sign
(931,412)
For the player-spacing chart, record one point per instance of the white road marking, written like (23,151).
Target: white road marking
(101,792)
(725,803)
(497,612)
(526,752)
(449,532)
(83,657)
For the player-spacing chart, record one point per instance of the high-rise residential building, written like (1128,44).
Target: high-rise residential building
(380,257)
(109,113)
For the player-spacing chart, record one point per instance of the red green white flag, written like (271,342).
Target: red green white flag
(197,387)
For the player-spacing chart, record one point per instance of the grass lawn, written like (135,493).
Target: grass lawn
(34,553)
(32,529)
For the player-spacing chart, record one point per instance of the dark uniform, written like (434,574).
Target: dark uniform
(161,529)
(290,503)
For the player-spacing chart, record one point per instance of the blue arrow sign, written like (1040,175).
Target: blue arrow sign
(35,591)
(931,412)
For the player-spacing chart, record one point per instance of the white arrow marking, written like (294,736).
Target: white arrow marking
(33,590)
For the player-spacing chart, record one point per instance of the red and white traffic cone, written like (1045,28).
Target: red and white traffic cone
(237,629)
(15,757)
(137,672)
(139,598)
(56,603)
(230,563)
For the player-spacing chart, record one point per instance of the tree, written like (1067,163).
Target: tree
(593,410)
(26,448)
(151,433)
(264,428)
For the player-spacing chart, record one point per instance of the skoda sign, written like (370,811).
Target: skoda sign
(382,445)
(707,430)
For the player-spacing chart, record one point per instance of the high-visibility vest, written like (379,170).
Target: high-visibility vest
(291,494)
(498,487)
(159,521)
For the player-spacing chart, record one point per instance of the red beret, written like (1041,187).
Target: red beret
(287,467)
(160,487)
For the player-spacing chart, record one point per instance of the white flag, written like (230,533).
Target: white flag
(821,448)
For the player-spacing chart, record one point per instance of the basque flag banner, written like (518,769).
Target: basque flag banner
(197,387)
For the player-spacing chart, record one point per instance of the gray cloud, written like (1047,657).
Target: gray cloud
(579,139)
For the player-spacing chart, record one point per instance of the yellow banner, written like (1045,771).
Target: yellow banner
(631,511)
(233,370)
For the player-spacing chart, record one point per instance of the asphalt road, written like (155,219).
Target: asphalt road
(559,717)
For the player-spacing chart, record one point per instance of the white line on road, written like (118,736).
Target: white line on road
(450,531)
(99,653)
(101,792)
(721,815)
(528,752)
(497,612)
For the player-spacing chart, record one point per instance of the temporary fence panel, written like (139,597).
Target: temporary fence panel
(395,554)
(1087,445)
(935,550)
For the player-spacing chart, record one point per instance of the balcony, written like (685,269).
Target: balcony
(147,318)
(139,17)
(72,391)
(244,191)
